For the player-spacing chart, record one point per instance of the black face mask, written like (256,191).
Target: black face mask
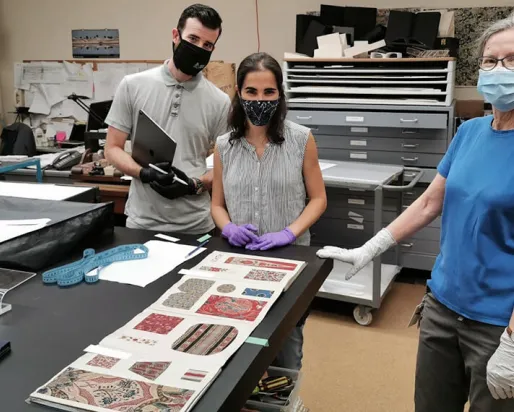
(190,59)
(259,112)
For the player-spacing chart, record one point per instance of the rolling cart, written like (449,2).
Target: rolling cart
(369,286)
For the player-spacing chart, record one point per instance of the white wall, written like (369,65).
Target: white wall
(41,29)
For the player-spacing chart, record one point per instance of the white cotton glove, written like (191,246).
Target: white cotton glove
(361,256)
(500,369)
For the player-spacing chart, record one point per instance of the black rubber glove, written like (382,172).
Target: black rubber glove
(174,190)
(148,175)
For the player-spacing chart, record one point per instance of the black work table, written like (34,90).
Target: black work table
(49,327)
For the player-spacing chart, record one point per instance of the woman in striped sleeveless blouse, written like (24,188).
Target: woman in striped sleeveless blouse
(264,171)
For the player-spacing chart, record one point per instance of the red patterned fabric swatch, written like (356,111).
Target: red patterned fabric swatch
(261,263)
(234,308)
(205,339)
(265,275)
(194,375)
(101,361)
(115,393)
(149,370)
(161,324)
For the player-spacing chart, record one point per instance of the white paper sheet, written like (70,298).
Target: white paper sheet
(39,104)
(162,258)
(9,229)
(40,191)
(104,89)
(18,77)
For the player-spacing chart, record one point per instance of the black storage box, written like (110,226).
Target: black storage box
(70,224)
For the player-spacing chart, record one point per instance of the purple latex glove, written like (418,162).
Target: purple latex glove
(273,240)
(239,235)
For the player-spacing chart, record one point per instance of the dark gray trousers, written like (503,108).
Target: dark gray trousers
(452,358)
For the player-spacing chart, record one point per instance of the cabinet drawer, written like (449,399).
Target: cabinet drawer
(380,143)
(364,131)
(360,200)
(417,261)
(430,247)
(428,233)
(354,214)
(395,158)
(371,119)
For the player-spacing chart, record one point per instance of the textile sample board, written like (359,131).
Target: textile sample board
(166,357)
(256,272)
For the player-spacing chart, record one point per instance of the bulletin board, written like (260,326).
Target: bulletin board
(469,25)
(43,85)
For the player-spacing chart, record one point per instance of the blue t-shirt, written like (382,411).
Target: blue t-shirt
(474,272)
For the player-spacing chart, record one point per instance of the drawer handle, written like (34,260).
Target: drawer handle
(409,193)
(408,120)
(409,146)
(409,175)
(404,131)
(409,159)
(304,117)
(407,245)
(315,129)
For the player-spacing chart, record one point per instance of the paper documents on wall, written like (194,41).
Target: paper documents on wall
(162,258)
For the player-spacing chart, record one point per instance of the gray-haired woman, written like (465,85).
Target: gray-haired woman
(466,344)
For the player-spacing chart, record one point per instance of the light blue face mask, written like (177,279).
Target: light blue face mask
(497,87)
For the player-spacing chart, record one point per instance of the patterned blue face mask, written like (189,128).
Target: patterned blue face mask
(259,112)
(497,87)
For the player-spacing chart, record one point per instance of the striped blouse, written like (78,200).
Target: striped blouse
(268,192)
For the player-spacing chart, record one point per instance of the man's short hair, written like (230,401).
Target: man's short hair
(207,16)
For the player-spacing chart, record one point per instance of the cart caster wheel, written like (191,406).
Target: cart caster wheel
(363,315)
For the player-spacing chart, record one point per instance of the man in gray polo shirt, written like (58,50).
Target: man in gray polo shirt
(191,110)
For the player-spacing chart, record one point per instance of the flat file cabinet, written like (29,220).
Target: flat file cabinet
(396,135)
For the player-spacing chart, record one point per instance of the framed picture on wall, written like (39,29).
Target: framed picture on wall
(104,43)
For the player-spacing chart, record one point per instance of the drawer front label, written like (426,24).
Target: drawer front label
(358,155)
(359,129)
(355,119)
(358,143)
(356,201)
(355,227)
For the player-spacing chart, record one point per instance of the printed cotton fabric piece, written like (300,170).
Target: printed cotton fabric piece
(205,339)
(265,275)
(101,361)
(114,393)
(192,290)
(194,375)
(226,288)
(213,269)
(258,293)
(261,263)
(142,341)
(234,308)
(161,324)
(149,370)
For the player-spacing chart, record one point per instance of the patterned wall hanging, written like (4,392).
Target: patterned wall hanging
(470,22)
(205,339)
(114,393)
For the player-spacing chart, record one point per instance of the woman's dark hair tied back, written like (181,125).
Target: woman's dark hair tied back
(237,117)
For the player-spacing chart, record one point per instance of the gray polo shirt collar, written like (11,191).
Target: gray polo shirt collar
(169,80)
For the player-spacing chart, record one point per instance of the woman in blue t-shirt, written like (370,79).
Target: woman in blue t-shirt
(466,345)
